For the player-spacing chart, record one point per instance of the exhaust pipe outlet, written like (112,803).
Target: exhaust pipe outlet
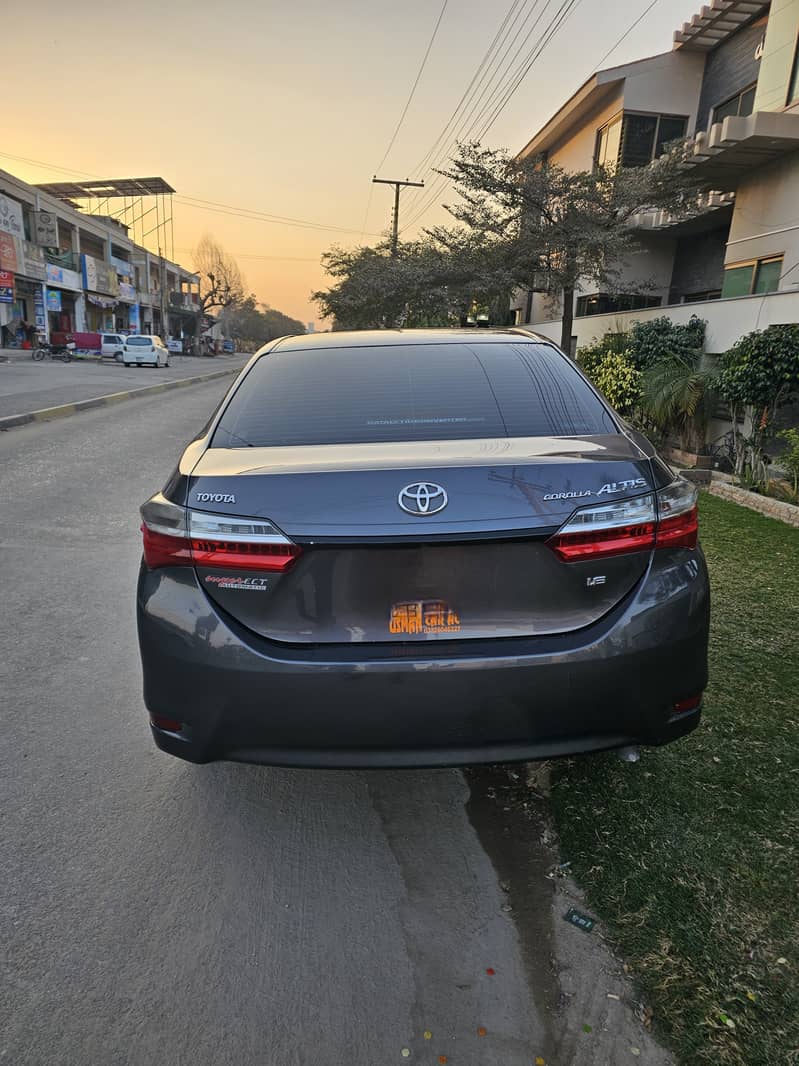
(631,754)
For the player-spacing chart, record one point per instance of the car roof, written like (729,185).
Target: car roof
(381,338)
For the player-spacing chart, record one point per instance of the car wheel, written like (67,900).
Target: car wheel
(166,363)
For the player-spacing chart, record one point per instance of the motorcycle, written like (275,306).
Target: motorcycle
(63,351)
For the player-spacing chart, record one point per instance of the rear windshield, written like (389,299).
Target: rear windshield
(140,340)
(408,393)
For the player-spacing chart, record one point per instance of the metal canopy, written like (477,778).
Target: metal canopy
(715,22)
(106,188)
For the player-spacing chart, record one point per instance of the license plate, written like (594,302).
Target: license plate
(423,616)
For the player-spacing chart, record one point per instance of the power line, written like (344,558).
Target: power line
(497,81)
(241,212)
(413,87)
(624,36)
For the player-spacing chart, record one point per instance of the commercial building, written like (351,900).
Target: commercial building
(62,269)
(730,87)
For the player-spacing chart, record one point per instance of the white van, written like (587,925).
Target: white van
(112,345)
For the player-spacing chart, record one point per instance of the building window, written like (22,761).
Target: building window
(608,141)
(635,140)
(754,277)
(793,88)
(741,104)
(701,297)
(602,303)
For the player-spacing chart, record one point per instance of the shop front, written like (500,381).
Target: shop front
(102,294)
(63,300)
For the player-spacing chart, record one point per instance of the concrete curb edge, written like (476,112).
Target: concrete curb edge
(46,414)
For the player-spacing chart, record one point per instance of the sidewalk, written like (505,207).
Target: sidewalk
(37,391)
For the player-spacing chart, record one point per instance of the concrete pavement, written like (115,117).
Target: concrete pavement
(27,386)
(152,911)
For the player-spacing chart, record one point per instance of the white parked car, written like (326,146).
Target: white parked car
(112,346)
(145,348)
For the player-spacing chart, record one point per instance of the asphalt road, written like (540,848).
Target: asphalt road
(157,912)
(28,386)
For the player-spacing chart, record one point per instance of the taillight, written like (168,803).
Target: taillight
(666,519)
(174,536)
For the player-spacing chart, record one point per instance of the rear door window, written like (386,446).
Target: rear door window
(408,393)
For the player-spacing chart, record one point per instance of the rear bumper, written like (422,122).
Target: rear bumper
(245,699)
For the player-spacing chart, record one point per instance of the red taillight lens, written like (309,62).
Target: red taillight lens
(162,549)
(241,555)
(176,537)
(686,705)
(570,546)
(171,725)
(668,520)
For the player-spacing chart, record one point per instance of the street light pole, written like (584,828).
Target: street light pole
(398,185)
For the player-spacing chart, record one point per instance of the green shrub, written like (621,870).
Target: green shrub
(790,458)
(651,342)
(614,375)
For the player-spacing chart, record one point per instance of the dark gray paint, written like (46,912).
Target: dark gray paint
(699,263)
(156,912)
(729,68)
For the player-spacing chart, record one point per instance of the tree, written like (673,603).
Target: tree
(556,228)
(221,283)
(758,374)
(255,323)
(433,281)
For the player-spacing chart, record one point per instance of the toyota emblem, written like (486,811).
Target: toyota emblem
(422,498)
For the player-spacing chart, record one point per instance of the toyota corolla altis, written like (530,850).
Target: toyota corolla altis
(418,548)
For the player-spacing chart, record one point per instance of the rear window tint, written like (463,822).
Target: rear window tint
(410,392)
(143,341)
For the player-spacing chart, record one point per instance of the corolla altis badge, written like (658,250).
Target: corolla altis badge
(422,498)
(612,486)
(215,497)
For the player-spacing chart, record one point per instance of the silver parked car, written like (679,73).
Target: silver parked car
(415,548)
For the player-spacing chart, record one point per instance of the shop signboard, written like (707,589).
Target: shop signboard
(11,217)
(99,276)
(53,300)
(67,279)
(174,345)
(39,316)
(6,287)
(9,260)
(33,258)
(127,292)
(45,227)
(122,266)
(134,318)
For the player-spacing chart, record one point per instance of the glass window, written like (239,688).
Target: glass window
(767,275)
(738,280)
(670,128)
(607,145)
(638,140)
(741,104)
(408,393)
(760,276)
(140,342)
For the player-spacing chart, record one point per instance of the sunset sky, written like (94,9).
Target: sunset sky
(284,108)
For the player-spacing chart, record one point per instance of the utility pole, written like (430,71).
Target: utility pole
(395,217)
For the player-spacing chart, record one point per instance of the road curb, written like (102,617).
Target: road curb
(64,410)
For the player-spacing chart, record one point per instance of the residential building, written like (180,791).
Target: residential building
(62,269)
(730,86)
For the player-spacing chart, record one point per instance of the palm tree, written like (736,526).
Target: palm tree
(680,396)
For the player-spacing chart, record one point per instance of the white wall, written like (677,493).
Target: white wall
(766,217)
(727,320)
(575,151)
(778,53)
(668,84)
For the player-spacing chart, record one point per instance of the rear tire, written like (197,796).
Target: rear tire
(38,354)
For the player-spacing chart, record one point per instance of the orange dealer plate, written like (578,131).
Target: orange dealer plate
(423,616)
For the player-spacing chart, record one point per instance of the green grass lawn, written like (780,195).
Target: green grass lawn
(691,857)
